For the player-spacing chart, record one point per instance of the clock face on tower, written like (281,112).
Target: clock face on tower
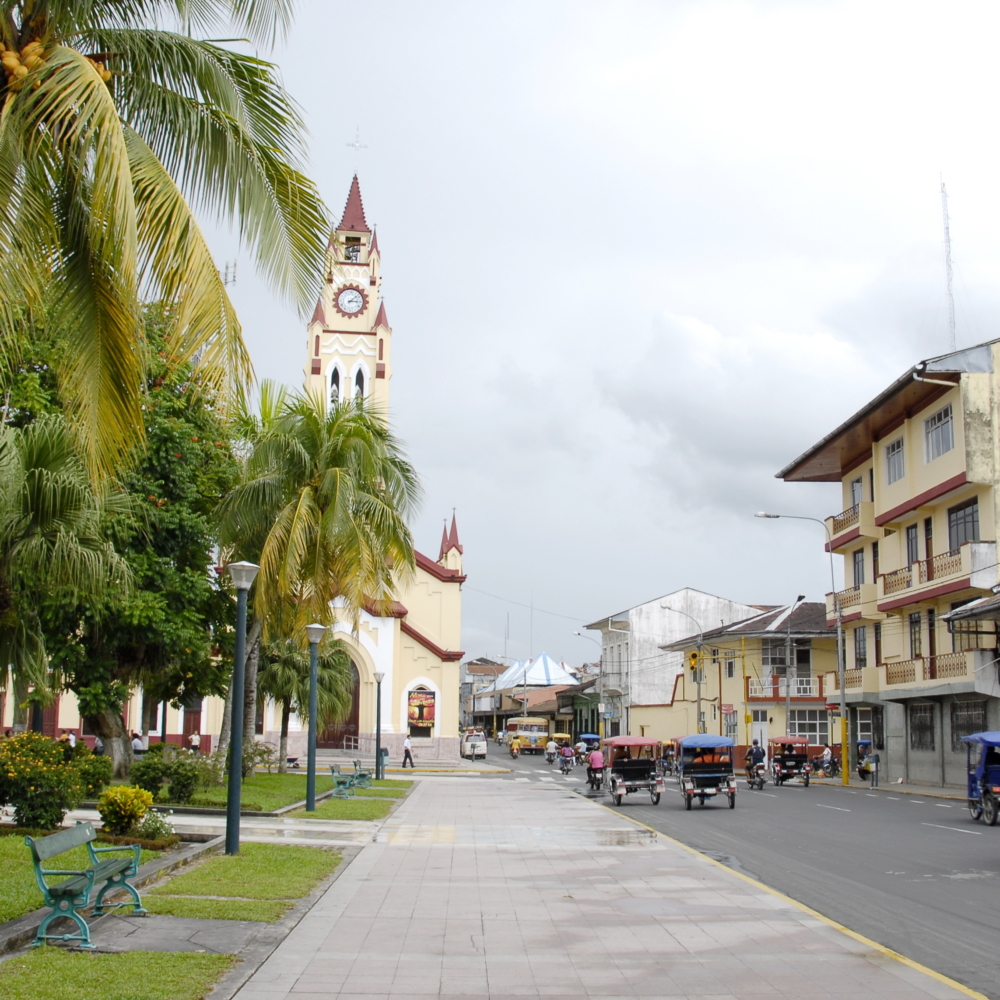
(350,300)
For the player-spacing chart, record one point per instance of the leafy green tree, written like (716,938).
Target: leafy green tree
(110,120)
(51,538)
(168,631)
(284,677)
(323,500)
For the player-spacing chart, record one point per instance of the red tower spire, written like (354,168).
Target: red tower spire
(353,219)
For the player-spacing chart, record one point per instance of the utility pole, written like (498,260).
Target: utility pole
(947,267)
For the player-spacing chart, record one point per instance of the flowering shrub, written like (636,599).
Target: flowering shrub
(37,781)
(95,772)
(123,807)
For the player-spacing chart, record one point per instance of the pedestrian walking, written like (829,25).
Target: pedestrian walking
(71,738)
(407,754)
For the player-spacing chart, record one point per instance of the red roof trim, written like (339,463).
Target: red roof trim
(845,539)
(440,572)
(448,655)
(396,610)
(922,498)
(926,595)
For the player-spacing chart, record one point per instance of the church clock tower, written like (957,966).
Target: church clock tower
(349,338)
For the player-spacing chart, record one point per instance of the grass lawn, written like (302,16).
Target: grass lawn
(393,783)
(18,892)
(55,974)
(264,910)
(259,871)
(265,792)
(380,793)
(357,809)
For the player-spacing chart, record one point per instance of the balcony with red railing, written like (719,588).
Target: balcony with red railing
(855,522)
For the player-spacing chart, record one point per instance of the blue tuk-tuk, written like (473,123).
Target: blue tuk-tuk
(983,756)
(705,768)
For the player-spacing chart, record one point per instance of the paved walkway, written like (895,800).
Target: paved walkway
(479,887)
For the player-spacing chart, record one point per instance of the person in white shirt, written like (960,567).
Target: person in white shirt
(71,738)
(137,746)
(407,754)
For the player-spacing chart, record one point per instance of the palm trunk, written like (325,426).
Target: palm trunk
(286,711)
(250,689)
(109,726)
(227,723)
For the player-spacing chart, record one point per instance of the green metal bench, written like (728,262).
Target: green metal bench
(362,778)
(68,898)
(343,784)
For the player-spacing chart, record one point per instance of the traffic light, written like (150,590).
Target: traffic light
(693,664)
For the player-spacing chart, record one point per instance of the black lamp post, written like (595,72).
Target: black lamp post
(243,574)
(379,677)
(315,633)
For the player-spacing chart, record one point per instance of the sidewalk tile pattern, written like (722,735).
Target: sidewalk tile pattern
(481,888)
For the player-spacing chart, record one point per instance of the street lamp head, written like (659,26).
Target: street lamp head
(379,677)
(243,574)
(762,513)
(315,632)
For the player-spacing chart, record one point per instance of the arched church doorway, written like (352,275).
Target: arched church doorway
(333,737)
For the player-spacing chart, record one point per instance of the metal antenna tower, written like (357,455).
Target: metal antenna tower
(947,267)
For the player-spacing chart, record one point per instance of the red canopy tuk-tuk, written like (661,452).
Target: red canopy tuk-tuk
(630,765)
(789,759)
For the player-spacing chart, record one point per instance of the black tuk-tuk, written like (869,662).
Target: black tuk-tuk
(706,768)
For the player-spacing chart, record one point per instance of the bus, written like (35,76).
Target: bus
(534,733)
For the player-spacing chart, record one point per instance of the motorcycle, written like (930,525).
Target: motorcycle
(595,775)
(565,765)
(514,753)
(830,769)
(550,756)
(756,773)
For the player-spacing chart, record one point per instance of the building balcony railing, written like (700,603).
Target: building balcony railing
(849,524)
(852,679)
(944,666)
(853,600)
(775,688)
(976,560)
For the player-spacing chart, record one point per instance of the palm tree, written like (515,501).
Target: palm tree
(323,503)
(284,677)
(107,121)
(51,538)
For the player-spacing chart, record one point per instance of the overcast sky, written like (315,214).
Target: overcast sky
(637,257)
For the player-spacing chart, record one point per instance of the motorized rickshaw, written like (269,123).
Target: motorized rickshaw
(789,759)
(705,768)
(630,766)
(983,753)
(670,755)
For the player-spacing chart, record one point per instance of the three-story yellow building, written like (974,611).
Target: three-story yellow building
(918,466)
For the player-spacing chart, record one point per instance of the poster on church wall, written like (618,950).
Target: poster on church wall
(421,709)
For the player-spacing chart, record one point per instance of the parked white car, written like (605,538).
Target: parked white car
(473,745)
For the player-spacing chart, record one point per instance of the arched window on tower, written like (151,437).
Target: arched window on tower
(359,385)
(335,386)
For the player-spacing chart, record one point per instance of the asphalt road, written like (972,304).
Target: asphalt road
(915,874)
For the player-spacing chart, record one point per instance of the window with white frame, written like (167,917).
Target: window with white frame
(939,434)
(730,669)
(809,722)
(857,490)
(774,656)
(861,647)
(894,461)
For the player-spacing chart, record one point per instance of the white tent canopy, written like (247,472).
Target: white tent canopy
(539,672)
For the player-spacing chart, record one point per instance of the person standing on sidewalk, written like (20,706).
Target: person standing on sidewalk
(407,754)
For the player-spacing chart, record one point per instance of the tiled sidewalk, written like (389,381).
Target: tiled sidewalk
(477,887)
